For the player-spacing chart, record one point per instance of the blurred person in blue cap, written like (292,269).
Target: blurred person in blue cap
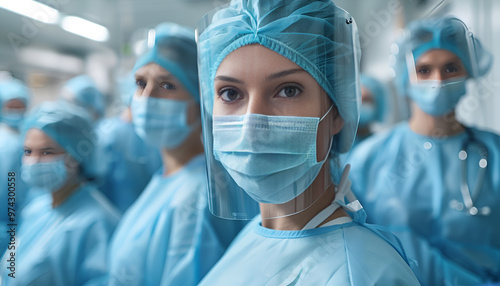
(374,107)
(440,191)
(65,230)
(280,96)
(83,92)
(14,101)
(128,161)
(168,236)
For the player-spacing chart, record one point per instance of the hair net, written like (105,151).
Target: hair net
(174,49)
(84,93)
(379,94)
(316,36)
(447,33)
(70,126)
(13,89)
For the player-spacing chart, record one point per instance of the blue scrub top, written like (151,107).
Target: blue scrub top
(11,150)
(168,236)
(408,182)
(127,162)
(65,245)
(343,254)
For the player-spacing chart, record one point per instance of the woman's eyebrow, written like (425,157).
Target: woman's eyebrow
(228,78)
(283,73)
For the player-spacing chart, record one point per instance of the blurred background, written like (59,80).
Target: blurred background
(46,42)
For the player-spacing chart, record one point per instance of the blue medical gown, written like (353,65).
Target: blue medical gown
(11,150)
(342,254)
(168,236)
(127,162)
(65,245)
(407,181)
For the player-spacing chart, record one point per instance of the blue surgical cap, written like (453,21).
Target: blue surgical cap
(174,49)
(14,89)
(70,126)
(379,94)
(85,94)
(316,35)
(447,33)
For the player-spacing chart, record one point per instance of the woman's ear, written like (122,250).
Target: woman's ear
(337,121)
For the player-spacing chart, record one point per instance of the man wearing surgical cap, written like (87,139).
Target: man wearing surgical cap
(64,231)
(280,93)
(440,186)
(83,92)
(168,236)
(14,101)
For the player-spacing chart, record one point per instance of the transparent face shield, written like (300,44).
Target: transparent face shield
(265,153)
(439,56)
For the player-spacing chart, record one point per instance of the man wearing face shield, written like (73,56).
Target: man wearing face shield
(432,180)
(280,95)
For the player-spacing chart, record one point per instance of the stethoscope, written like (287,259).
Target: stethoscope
(468,197)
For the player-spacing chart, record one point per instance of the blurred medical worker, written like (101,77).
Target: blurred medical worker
(280,97)
(432,180)
(83,92)
(14,101)
(167,237)
(374,107)
(65,231)
(128,162)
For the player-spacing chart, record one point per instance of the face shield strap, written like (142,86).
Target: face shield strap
(343,191)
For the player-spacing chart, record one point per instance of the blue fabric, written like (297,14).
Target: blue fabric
(175,50)
(65,245)
(406,181)
(346,254)
(129,162)
(71,127)
(14,89)
(84,93)
(11,150)
(316,35)
(168,236)
(446,33)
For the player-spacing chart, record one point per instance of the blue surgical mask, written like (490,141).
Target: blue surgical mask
(436,97)
(367,114)
(13,117)
(272,158)
(161,122)
(49,176)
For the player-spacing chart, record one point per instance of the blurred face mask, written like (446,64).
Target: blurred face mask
(436,97)
(272,158)
(367,114)
(13,117)
(161,122)
(49,176)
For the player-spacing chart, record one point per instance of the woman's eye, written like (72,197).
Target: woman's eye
(229,95)
(424,70)
(168,86)
(289,91)
(47,153)
(140,83)
(27,152)
(451,69)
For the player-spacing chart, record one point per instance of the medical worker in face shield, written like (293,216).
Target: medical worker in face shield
(374,100)
(432,180)
(280,96)
(65,230)
(128,161)
(168,236)
(83,92)
(14,101)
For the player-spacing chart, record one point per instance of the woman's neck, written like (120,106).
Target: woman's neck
(174,159)
(434,126)
(61,195)
(322,194)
